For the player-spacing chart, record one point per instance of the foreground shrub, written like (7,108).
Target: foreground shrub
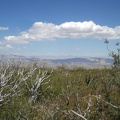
(28,92)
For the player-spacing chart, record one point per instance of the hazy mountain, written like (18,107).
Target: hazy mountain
(84,60)
(88,62)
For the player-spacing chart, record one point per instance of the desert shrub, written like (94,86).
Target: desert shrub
(28,92)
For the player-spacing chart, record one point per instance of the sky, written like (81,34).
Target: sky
(71,28)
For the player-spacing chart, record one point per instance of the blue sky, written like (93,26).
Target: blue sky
(59,27)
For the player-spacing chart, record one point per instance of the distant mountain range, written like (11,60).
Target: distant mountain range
(85,60)
(77,61)
(19,58)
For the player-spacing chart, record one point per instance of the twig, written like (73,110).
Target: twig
(79,115)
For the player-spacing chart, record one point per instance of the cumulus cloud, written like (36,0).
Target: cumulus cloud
(73,30)
(8,46)
(16,39)
(4,28)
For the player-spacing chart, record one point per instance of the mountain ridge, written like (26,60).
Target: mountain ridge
(65,59)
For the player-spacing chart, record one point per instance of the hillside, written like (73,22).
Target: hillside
(87,62)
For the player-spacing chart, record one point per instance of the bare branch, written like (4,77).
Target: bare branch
(78,115)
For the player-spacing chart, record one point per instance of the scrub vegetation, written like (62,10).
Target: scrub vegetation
(31,92)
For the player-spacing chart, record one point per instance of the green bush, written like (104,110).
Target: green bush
(91,93)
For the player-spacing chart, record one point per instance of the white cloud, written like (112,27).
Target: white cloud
(74,30)
(8,46)
(4,28)
(16,39)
